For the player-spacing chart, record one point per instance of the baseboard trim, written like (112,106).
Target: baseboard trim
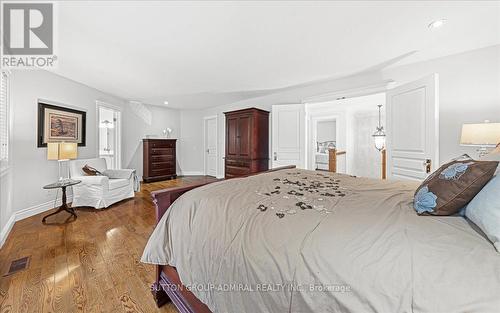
(39,208)
(28,212)
(192,173)
(6,230)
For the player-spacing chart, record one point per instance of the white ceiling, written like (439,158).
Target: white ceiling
(202,54)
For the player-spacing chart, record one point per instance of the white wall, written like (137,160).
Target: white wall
(362,119)
(326,131)
(191,142)
(30,170)
(365,159)
(469,92)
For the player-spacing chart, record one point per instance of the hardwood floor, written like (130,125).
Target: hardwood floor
(89,265)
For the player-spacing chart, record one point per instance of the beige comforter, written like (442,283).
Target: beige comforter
(303,241)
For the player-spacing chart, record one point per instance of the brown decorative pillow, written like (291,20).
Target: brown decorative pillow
(90,171)
(452,186)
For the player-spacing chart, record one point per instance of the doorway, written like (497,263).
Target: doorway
(109,134)
(325,137)
(210,145)
(346,125)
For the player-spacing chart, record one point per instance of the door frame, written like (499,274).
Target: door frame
(118,150)
(205,120)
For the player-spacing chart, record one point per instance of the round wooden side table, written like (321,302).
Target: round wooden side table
(64,206)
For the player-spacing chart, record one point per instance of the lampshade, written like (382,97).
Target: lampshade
(62,150)
(483,134)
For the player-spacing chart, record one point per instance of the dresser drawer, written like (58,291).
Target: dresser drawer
(237,170)
(162,172)
(237,162)
(161,158)
(162,165)
(162,144)
(161,151)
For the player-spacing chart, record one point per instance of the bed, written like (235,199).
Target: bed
(304,241)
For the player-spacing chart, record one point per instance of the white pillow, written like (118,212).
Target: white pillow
(484,210)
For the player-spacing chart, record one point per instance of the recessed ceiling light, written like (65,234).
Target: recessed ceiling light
(165,102)
(437,23)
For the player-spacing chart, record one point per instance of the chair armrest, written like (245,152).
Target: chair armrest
(93,180)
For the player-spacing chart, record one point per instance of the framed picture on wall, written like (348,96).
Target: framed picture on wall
(60,124)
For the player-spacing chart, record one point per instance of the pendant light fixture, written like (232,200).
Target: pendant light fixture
(379,135)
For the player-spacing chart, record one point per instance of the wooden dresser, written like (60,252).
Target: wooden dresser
(158,159)
(247,142)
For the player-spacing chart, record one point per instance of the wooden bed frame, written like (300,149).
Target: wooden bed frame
(168,286)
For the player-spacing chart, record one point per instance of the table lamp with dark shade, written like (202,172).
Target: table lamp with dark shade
(482,135)
(62,152)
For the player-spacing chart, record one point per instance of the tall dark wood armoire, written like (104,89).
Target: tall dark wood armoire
(247,142)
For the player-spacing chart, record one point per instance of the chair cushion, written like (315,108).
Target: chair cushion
(118,183)
(452,186)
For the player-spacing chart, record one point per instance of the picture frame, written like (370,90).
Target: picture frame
(60,124)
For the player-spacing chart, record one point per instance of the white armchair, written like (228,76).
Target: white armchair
(100,191)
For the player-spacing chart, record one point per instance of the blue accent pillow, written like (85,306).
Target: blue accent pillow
(484,211)
(462,211)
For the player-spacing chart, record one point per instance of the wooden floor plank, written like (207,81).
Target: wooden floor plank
(89,265)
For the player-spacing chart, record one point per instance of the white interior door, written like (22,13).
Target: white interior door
(289,137)
(210,145)
(109,134)
(413,129)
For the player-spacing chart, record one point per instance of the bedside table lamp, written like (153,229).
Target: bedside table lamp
(62,152)
(481,135)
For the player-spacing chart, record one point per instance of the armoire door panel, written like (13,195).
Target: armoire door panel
(244,129)
(232,144)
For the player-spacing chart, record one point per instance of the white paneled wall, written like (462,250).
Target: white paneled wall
(366,160)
